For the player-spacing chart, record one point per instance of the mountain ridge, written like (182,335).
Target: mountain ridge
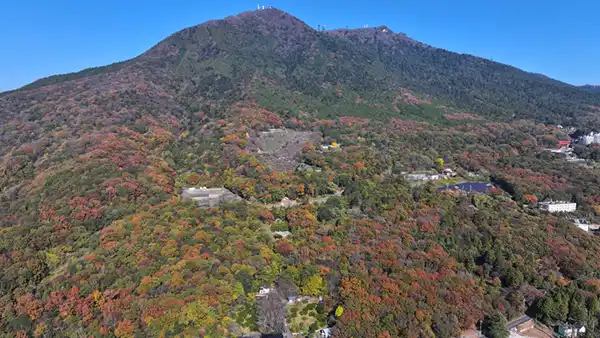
(591,88)
(371,61)
(262,14)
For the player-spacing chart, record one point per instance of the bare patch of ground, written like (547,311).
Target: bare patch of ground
(408,97)
(279,148)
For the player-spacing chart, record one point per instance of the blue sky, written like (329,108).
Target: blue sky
(560,39)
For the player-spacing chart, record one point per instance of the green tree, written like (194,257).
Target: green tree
(513,278)
(593,306)
(545,306)
(577,310)
(495,325)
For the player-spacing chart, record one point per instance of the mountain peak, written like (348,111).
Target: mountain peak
(267,17)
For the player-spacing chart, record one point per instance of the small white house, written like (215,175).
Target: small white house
(323,333)
(449,172)
(574,331)
(583,226)
(283,234)
(263,291)
(557,206)
(581,223)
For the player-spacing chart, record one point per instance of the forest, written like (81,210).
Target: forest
(96,240)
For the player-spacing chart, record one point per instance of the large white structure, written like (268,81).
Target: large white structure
(557,206)
(209,197)
(574,331)
(584,224)
(422,177)
(590,138)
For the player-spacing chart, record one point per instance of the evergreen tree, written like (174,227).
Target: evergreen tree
(495,325)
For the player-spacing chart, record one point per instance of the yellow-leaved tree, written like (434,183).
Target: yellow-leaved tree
(314,286)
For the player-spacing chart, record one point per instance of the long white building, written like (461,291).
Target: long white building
(557,206)
(590,138)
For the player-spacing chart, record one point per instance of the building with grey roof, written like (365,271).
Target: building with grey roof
(209,197)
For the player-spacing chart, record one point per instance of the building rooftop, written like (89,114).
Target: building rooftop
(555,202)
(209,196)
(469,186)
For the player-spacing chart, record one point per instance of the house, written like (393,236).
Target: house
(581,223)
(292,300)
(570,331)
(323,333)
(449,172)
(283,234)
(557,206)
(584,224)
(209,197)
(263,291)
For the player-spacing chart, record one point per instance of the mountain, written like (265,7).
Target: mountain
(222,61)
(313,135)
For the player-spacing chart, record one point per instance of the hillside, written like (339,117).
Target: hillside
(591,88)
(320,136)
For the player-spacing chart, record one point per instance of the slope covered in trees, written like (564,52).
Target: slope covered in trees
(592,88)
(96,241)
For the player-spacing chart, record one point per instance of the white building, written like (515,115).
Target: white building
(574,331)
(422,177)
(209,197)
(590,138)
(584,224)
(557,206)
(449,172)
(263,291)
(283,234)
(323,333)
(581,223)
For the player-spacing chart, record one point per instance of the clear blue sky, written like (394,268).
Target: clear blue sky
(560,39)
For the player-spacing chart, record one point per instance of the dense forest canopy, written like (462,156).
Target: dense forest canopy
(317,132)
